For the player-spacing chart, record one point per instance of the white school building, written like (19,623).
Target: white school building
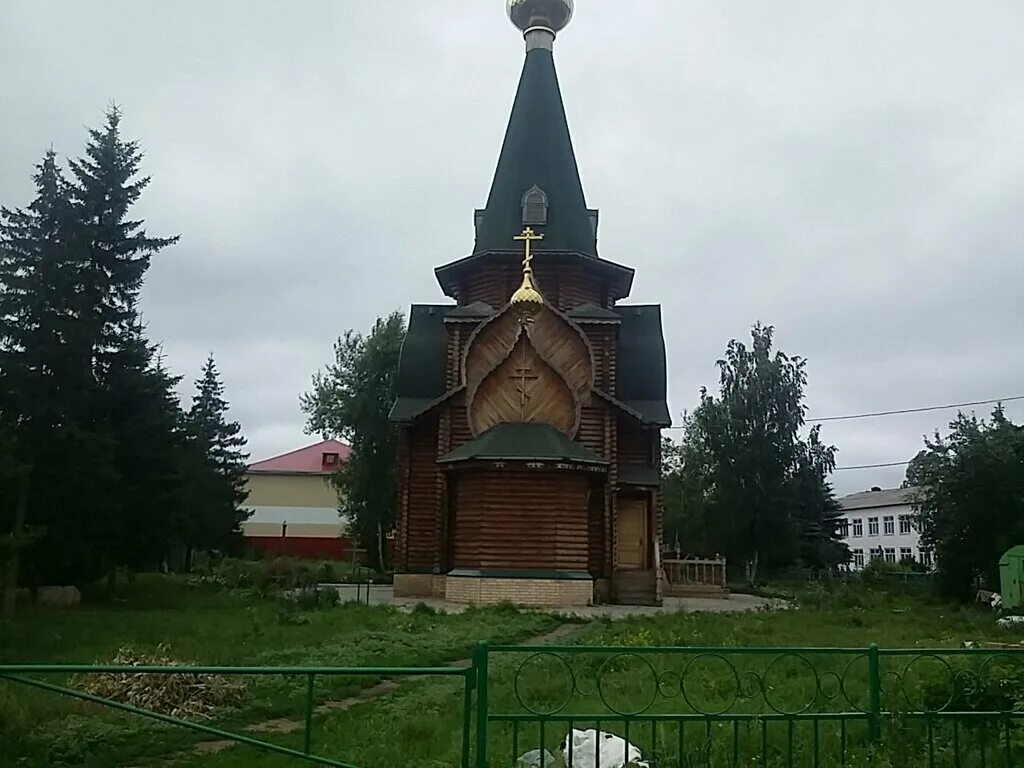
(880,523)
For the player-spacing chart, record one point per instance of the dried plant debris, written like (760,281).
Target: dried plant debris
(183,695)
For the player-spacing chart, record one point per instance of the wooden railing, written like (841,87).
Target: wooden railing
(693,572)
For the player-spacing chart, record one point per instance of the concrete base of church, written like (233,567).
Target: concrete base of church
(520,588)
(530,592)
(420,585)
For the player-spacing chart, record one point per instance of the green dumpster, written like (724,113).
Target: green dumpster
(1011,577)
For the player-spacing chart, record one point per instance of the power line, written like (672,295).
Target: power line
(922,409)
(874,466)
(918,410)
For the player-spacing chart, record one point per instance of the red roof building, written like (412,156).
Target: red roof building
(294,507)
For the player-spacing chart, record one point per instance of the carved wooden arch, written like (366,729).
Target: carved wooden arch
(552,346)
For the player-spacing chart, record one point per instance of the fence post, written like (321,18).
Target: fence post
(874,695)
(469,683)
(480,667)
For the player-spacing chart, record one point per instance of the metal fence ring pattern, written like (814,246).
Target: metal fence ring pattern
(1015,660)
(735,679)
(843,679)
(902,676)
(750,684)
(667,687)
(562,705)
(830,695)
(605,667)
(766,685)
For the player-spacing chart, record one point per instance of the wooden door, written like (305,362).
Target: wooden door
(632,533)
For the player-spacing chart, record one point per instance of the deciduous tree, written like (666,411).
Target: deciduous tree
(970,499)
(351,399)
(749,486)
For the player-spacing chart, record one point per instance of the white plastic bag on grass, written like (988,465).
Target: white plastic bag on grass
(614,751)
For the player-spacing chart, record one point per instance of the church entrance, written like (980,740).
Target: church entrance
(632,533)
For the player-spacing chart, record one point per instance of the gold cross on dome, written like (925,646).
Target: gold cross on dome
(528,236)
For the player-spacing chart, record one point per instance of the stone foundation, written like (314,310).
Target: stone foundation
(520,591)
(420,585)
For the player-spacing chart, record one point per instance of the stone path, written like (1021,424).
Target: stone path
(376,691)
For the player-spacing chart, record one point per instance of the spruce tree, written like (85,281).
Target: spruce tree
(80,394)
(146,422)
(131,403)
(43,397)
(116,248)
(216,472)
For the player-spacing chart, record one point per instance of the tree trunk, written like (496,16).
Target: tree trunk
(11,585)
(752,568)
(380,547)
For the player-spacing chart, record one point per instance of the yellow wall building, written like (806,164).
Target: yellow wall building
(294,506)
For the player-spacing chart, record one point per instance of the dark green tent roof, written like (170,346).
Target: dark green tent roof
(523,442)
(633,474)
(475,311)
(641,377)
(537,151)
(592,312)
(421,365)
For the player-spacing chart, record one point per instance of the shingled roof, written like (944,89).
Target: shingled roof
(640,373)
(523,442)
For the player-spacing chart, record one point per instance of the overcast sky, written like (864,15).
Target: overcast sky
(852,174)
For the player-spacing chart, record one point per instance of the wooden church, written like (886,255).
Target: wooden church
(530,410)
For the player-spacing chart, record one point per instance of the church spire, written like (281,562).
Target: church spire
(537,182)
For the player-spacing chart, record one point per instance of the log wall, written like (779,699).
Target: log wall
(419,540)
(521,519)
(565,282)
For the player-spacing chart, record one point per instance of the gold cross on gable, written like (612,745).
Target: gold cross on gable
(528,236)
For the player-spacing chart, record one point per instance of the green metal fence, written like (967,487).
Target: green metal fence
(743,706)
(28,675)
(685,707)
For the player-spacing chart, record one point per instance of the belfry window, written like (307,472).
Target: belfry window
(535,206)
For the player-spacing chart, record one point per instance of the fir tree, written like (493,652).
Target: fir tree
(217,467)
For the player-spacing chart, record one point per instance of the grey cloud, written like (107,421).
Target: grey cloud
(852,174)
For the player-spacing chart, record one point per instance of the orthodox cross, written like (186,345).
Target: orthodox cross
(524,377)
(528,236)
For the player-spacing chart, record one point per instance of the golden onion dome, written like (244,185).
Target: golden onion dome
(527,300)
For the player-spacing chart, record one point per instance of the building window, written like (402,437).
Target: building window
(858,527)
(904,523)
(890,555)
(858,558)
(535,206)
(843,529)
(875,553)
(872,526)
(890,525)
(330,461)
(906,555)
(925,556)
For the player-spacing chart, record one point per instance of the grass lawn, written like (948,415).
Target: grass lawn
(213,627)
(419,724)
